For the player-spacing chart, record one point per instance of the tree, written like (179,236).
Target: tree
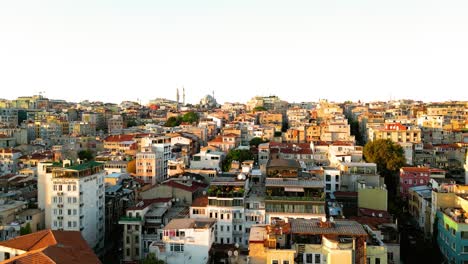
(257,141)
(85,155)
(388,156)
(236,154)
(172,121)
(190,117)
(151,259)
(131,166)
(131,123)
(25,230)
(259,108)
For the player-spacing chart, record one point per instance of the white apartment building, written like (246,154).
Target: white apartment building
(226,198)
(73,199)
(188,240)
(207,160)
(332,177)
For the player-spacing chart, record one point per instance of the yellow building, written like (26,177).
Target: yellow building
(372,198)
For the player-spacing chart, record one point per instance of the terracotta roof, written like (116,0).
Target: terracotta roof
(415,169)
(230,135)
(201,201)
(218,139)
(49,246)
(119,138)
(194,187)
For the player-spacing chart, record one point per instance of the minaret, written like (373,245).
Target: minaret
(177,95)
(183,95)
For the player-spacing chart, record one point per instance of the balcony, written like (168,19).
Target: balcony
(130,220)
(295,198)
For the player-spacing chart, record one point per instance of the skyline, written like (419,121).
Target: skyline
(116,51)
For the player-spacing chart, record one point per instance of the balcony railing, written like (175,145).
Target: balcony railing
(131,219)
(295,198)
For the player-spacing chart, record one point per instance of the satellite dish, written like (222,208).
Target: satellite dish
(236,253)
(331,219)
(229,253)
(236,245)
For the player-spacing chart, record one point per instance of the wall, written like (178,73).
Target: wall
(375,199)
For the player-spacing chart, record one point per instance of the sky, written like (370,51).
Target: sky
(117,50)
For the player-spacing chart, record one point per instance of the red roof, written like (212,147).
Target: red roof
(230,135)
(49,246)
(201,201)
(194,187)
(119,138)
(415,169)
(218,139)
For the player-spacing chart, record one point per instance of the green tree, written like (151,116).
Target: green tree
(151,259)
(257,141)
(236,154)
(259,108)
(388,156)
(131,123)
(190,117)
(25,230)
(85,154)
(173,121)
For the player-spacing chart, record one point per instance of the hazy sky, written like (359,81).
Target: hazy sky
(300,50)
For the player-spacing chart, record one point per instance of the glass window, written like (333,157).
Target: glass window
(274,262)
(318,258)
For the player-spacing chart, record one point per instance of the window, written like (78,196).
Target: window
(240,227)
(274,262)
(390,255)
(7,255)
(177,247)
(69,188)
(464,235)
(221,228)
(327,178)
(60,187)
(228,228)
(318,258)
(55,187)
(328,187)
(74,187)
(127,239)
(228,240)
(308,258)
(453,231)
(377,260)
(69,211)
(285,261)
(222,216)
(69,224)
(337,178)
(137,251)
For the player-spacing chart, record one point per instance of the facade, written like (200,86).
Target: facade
(226,200)
(417,176)
(208,160)
(332,179)
(188,240)
(74,200)
(396,132)
(452,234)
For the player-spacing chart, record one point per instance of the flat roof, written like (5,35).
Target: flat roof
(186,223)
(313,227)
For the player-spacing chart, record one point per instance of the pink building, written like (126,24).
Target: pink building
(416,176)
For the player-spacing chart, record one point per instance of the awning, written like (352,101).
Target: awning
(293,189)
